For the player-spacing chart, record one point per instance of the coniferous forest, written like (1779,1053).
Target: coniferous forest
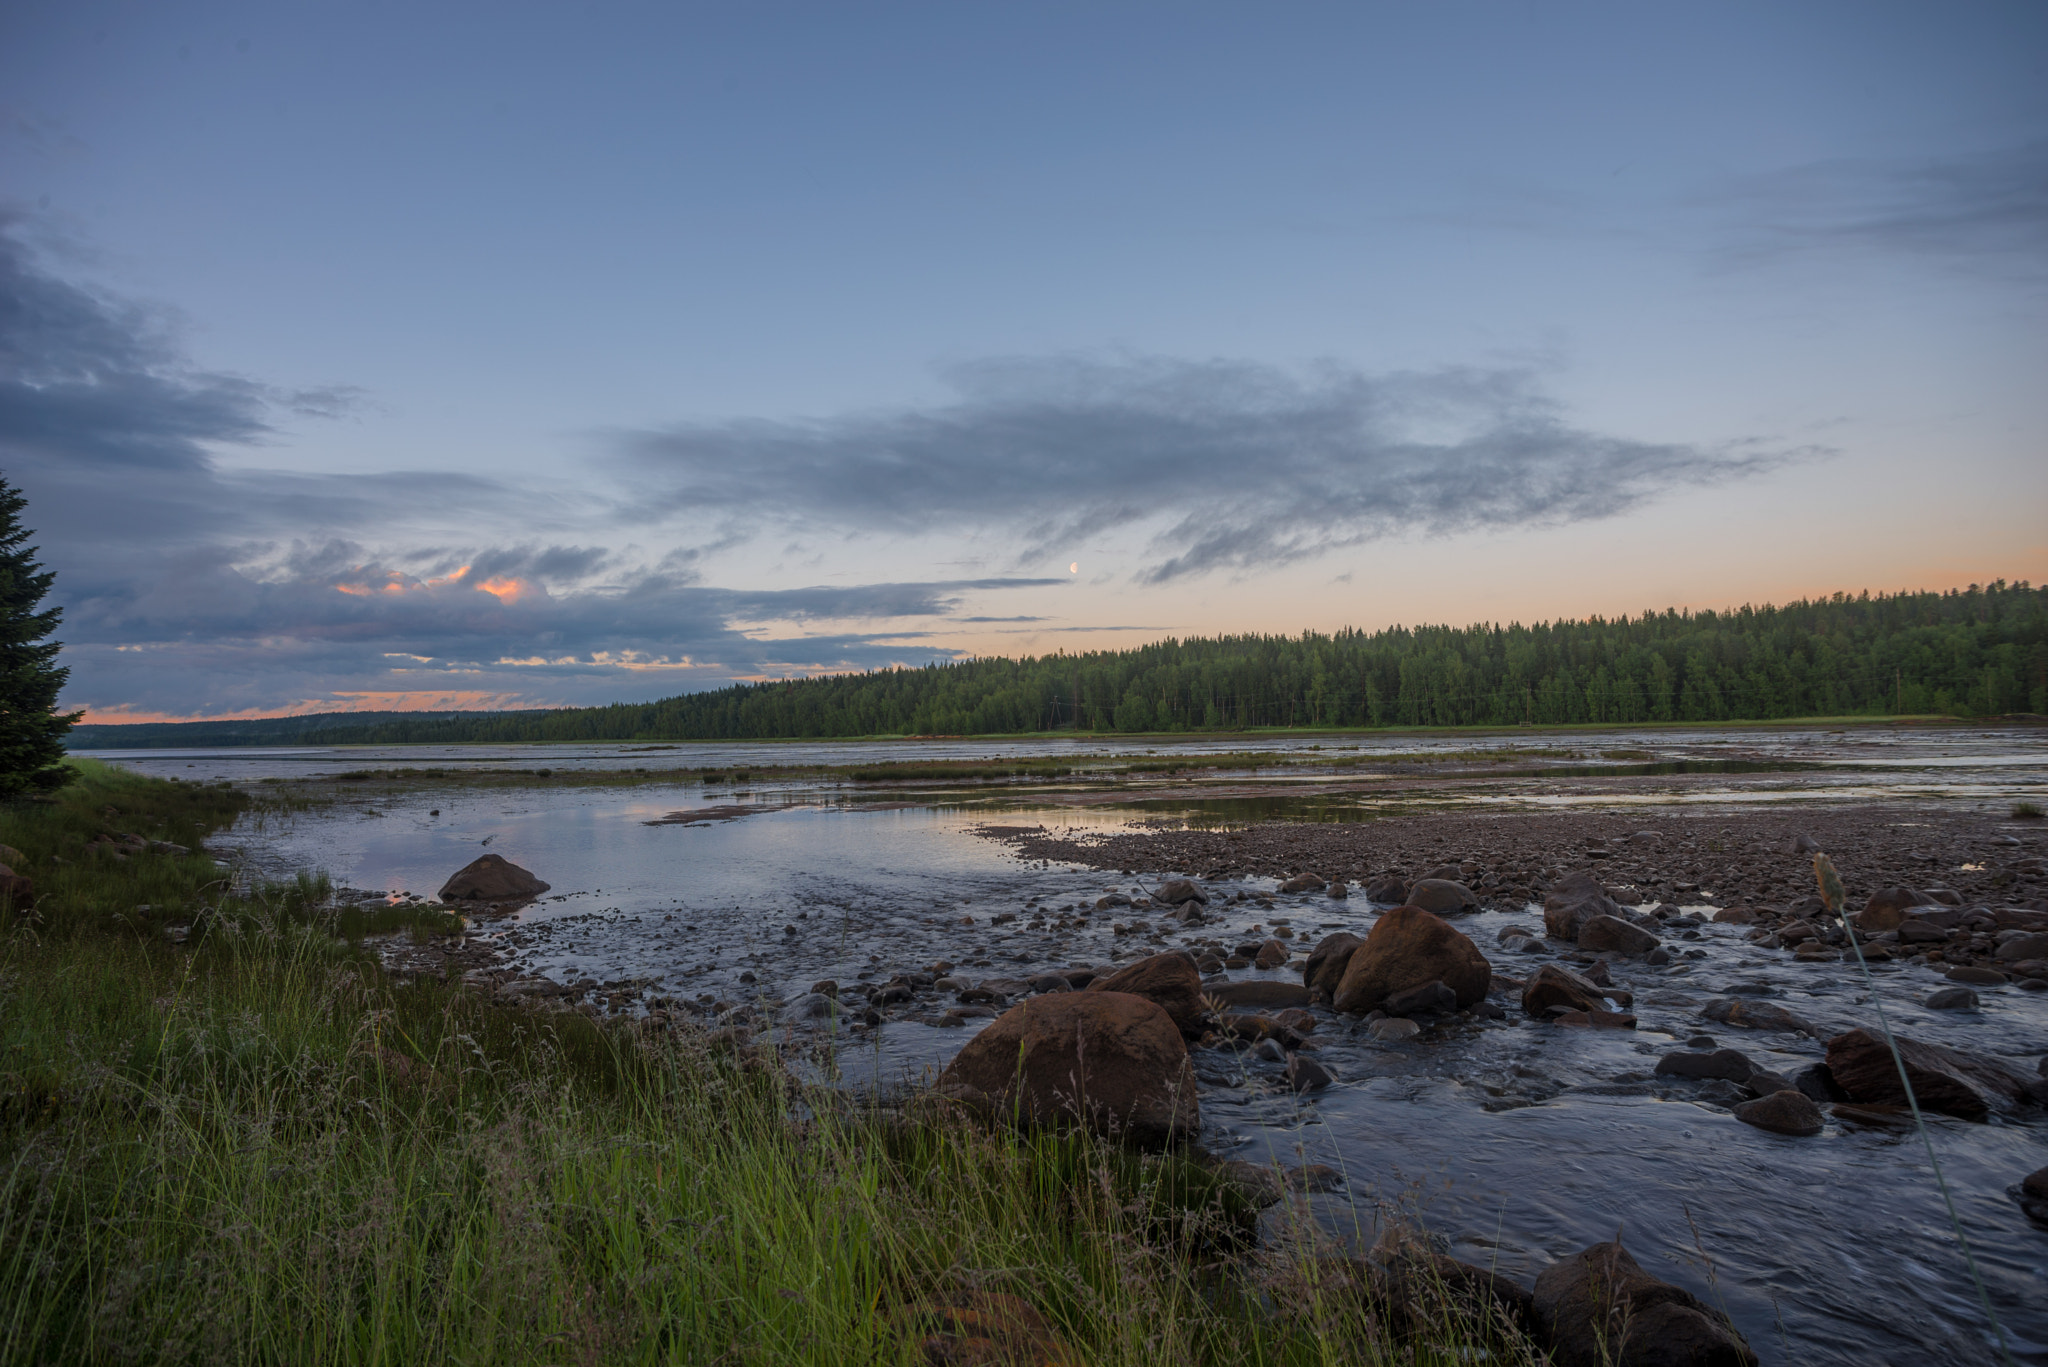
(1981,651)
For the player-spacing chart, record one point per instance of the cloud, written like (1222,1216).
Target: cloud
(1225,464)
(1984,212)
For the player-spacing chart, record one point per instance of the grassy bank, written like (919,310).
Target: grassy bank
(249,1146)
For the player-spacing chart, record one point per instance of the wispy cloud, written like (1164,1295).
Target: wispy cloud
(1225,464)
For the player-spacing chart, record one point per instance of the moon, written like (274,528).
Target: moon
(1074,568)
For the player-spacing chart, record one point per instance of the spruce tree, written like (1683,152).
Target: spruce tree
(31,730)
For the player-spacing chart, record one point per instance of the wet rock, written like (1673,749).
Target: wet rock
(1271,1050)
(1304,1074)
(1952,999)
(1272,954)
(1817,1083)
(1408,948)
(1787,1112)
(492,878)
(1762,1082)
(2025,947)
(1755,1015)
(1302,882)
(810,1007)
(1973,976)
(1735,916)
(1598,1308)
(1392,1029)
(1175,891)
(1255,1028)
(1387,890)
(1416,1001)
(1338,891)
(1167,979)
(1555,985)
(1110,1061)
(1658,958)
(1296,1019)
(1573,900)
(1508,933)
(1945,1080)
(1326,963)
(2033,1194)
(1726,1064)
(1886,908)
(1610,934)
(1258,994)
(1442,897)
(826,988)
(1114,899)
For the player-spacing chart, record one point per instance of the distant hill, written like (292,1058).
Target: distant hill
(1975,652)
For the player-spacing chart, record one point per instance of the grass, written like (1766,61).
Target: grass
(252,1146)
(2027,811)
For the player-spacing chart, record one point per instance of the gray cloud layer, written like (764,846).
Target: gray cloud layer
(1228,464)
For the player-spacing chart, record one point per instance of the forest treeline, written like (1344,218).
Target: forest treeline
(1975,652)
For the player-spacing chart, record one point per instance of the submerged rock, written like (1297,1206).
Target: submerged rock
(1112,1062)
(1945,1080)
(1783,1112)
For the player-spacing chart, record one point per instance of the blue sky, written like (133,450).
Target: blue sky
(391,355)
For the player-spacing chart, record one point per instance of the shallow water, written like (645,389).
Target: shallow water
(1520,1142)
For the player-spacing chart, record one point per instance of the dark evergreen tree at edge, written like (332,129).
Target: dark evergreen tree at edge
(1981,651)
(31,730)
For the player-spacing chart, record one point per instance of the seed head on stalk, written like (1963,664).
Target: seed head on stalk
(1830,883)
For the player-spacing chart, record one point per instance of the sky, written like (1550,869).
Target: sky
(372,356)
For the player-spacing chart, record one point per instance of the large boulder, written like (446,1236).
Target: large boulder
(2019,950)
(1572,901)
(1327,962)
(1555,985)
(492,878)
(16,890)
(1612,935)
(1388,890)
(1887,907)
(1170,980)
(1175,891)
(1442,897)
(1945,1080)
(1110,1062)
(1599,1308)
(1407,948)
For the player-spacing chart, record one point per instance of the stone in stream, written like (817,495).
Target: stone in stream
(2033,1194)
(1109,1061)
(1572,901)
(1951,999)
(1393,1029)
(1304,1074)
(1753,1015)
(1555,985)
(1302,882)
(1338,891)
(2026,947)
(1614,935)
(1262,993)
(1599,1308)
(1442,897)
(1818,1084)
(1727,1064)
(1271,954)
(1407,948)
(1946,1080)
(1177,890)
(492,878)
(1786,1112)
(1387,890)
(1886,908)
(1170,980)
(1735,916)
(1970,975)
(1326,963)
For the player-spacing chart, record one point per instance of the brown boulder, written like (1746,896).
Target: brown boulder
(1735,916)
(1573,900)
(1302,882)
(1170,980)
(493,878)
(1887,907)
(1272,954)
(1599,1308)
(1407,948)
(1945,1080)
(1174,891)
(1554,985)
(1326,963)
(1387,890)
(1612,935)
(1442,897)
(2025,948)
(16,890)
(1109,1061)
